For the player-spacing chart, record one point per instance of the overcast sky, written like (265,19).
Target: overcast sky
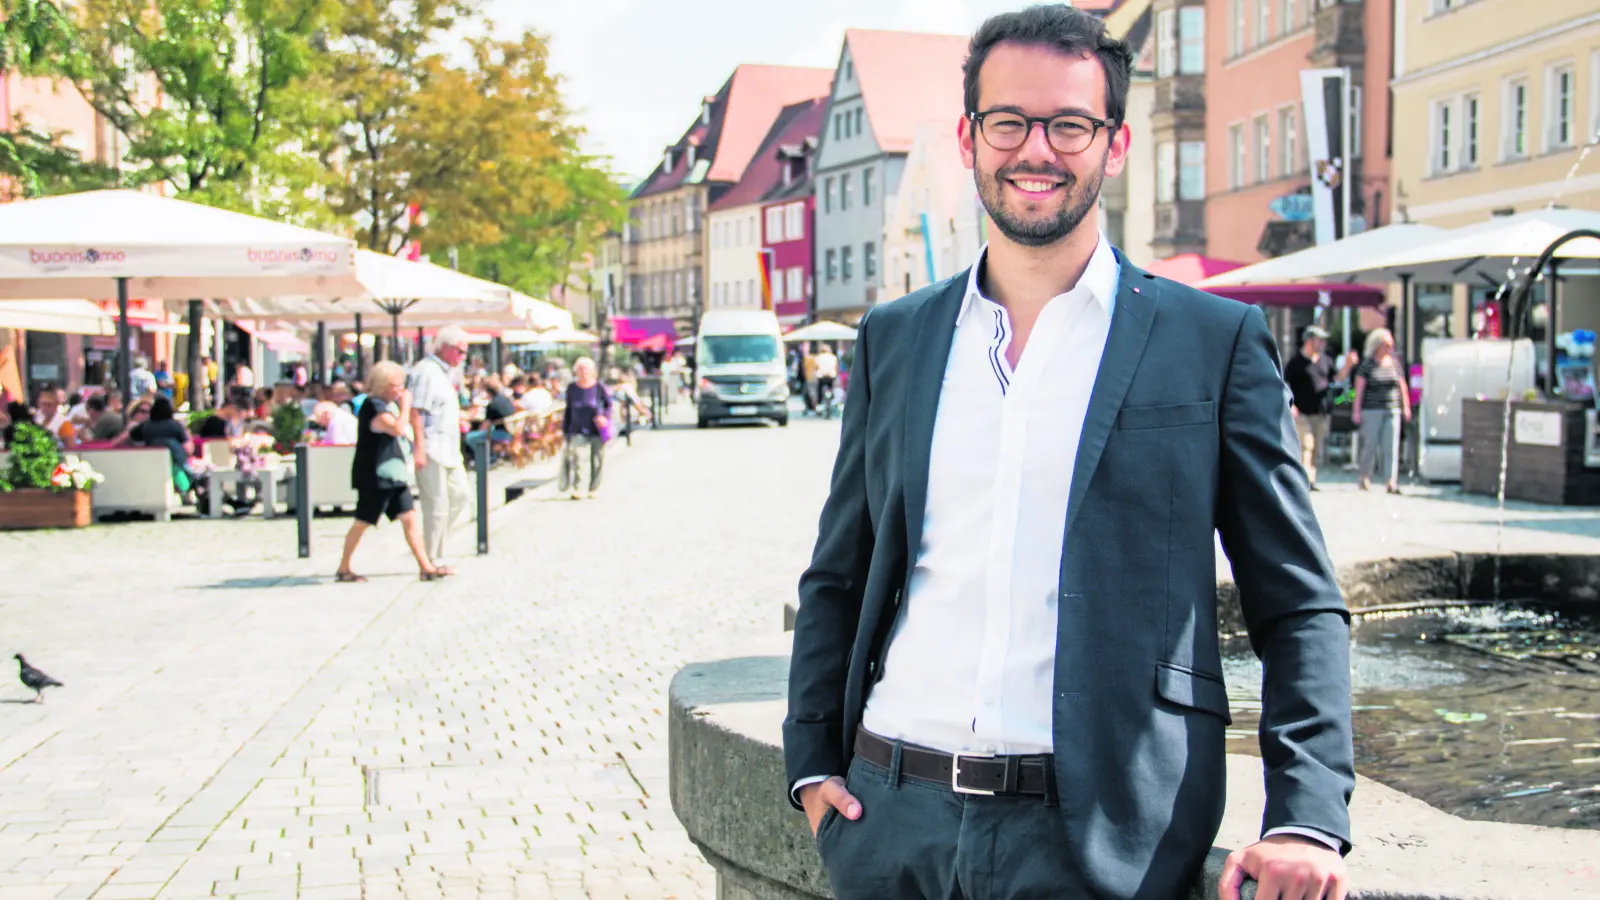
(636,69)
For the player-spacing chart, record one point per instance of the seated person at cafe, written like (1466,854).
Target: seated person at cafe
(537,399)
(17,413)
(338,425)
(155,426)
(105,423)
(499,408)
(226,421)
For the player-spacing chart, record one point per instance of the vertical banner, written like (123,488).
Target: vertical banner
(764,263)
(1326,94)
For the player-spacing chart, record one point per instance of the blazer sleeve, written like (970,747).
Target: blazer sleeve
(830,595)
(1293,609)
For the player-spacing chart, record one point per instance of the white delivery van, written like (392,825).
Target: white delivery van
(739,353)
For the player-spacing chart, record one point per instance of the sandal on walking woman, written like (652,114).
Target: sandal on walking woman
(437,573)
(346,576)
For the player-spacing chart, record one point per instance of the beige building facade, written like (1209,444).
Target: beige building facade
(1494,102)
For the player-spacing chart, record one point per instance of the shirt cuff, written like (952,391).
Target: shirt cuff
(794,792)
(1320,837)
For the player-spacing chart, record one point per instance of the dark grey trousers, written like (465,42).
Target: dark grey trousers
(915,841)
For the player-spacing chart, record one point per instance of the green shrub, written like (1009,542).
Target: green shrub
(34,458)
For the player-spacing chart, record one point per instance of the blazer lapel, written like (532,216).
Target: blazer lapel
(930,351)
(1130,329)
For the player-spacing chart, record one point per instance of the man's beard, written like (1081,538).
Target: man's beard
(1042,232)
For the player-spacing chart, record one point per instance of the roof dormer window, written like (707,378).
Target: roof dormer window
(705,111)
(690,158)
(667,162)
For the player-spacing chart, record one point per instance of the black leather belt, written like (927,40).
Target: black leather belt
(963,773)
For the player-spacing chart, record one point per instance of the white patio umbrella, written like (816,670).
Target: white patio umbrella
(821,331)
(1329,262)
(59,316)
(102,244)
(1484,252)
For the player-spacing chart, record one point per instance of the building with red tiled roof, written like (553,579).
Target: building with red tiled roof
(667,258)
(760,229)
(887,85)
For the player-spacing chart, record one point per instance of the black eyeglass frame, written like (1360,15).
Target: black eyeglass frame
(1109,125)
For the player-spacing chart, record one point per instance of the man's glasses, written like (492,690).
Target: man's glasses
(1067,134)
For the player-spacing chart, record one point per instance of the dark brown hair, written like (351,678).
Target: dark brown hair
(1060,27)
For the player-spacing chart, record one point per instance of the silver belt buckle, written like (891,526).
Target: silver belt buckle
(955,773)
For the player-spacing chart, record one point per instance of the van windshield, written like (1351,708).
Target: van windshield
(728,349)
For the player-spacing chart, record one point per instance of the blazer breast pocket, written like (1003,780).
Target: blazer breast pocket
(1178,415)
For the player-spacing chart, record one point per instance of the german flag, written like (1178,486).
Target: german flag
(764,263)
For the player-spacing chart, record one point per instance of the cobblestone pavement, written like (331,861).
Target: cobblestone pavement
(234,723)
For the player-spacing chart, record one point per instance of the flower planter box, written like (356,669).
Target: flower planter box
(34,508)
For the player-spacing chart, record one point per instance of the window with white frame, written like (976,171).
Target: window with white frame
(1470,128)
(832,267)
(774,224)
(1192,40)
(827,195)
(1166,43)
(1288,15)
(1236,27)
(1594,98)
(1263,149)
(1263,22)
(846,260)
(866,186)
(1561,86)
(797,284)
(777,287)
(794,219)
(1192,170)
(1166,172)
(755,230)
(869,260)
(844,192)
(1288,140)
(1355,121)
(1235,157)
(1443,136)
(1514,119)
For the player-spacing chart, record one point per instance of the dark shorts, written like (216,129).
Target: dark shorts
(374,502)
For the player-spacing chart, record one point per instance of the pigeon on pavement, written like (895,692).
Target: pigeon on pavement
(35,679)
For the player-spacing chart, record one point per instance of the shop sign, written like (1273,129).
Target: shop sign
(1537,428)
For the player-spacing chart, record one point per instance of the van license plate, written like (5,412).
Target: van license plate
(742,411)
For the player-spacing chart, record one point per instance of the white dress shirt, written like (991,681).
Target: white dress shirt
(970,666)
(971,662)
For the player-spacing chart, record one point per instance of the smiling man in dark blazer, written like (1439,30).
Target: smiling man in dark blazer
(1006,679)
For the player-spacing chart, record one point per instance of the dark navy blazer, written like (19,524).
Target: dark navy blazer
(1188,434)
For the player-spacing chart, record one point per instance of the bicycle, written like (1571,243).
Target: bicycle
(825,399)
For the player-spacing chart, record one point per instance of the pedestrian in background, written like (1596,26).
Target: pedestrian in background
(1383,401)
(378,471)
(436,418)
(586,423)
(1311,376)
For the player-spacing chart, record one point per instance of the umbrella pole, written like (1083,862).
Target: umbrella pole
(360,369)
(421,343)
(394,344)
(1552,326)
(321,356)
(219,347)
(124,352)
(197,396)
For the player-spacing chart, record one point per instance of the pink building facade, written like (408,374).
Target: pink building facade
(790,255)
(1256,150)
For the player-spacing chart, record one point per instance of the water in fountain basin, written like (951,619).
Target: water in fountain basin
(1487,712)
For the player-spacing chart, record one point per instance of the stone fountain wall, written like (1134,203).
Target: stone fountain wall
(728,790)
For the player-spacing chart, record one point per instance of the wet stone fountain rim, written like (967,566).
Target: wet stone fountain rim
(727,775)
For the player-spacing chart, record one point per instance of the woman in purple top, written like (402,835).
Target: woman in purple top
(586,423)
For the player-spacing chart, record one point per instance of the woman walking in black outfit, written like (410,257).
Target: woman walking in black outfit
(380,473)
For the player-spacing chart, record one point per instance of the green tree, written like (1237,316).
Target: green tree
(201,90)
